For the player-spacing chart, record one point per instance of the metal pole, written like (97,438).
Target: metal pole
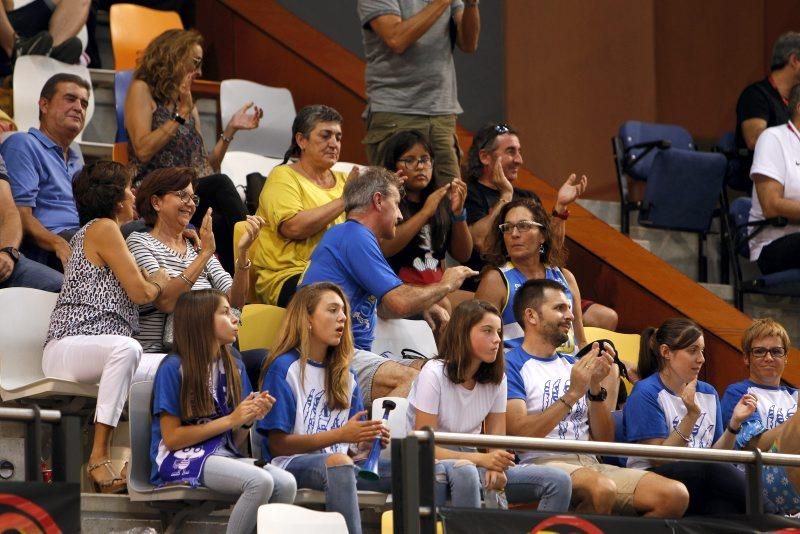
(67,451)
(755,505)
(427,483)
(398,480)
(34,430)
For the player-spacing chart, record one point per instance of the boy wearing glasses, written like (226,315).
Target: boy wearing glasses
(765,346)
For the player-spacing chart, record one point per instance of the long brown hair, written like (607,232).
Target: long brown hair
(294,334)
(496,251)
(676,333)
(195,343)
(159,64)
(456,347)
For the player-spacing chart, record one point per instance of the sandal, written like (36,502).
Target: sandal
(115,484)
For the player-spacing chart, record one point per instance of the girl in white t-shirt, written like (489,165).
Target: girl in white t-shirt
(464,388)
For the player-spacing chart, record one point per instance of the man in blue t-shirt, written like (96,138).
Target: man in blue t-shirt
(551,395)
(349,255)
(41,165)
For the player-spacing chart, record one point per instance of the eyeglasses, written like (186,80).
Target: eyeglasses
(522,226)
(412,163)
(497,129)
(186,197)
(198,62)
(761,352)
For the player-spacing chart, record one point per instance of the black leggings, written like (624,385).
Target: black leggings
(780,255)
(713,488)
(218,192)
(288,289)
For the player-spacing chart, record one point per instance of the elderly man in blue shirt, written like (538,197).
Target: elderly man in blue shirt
(41,165)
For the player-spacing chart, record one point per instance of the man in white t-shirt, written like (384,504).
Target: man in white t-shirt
(776,192)
(552,395)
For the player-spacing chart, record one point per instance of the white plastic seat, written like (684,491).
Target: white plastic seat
(344,166)
(274,133)
(396,337)
(30,75)
(24,320)
(282,518)
(197,501)
(398,419)
(237,165)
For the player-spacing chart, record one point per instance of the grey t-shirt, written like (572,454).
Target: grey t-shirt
(421,80)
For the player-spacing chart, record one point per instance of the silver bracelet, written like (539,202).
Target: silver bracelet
(683,436)
(226,140)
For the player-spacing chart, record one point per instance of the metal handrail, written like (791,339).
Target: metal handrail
(607,448)
(29,415)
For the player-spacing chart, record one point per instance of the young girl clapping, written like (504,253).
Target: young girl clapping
(463,389)
(203,405)
(316,431)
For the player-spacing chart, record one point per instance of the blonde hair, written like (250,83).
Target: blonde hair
(294,334)
(195,343)
(159,65)
(764,328)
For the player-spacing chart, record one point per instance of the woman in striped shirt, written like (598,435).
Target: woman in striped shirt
(166,201)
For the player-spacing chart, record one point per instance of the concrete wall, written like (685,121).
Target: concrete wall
(481,83)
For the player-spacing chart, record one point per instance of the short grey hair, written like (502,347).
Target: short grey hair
(786,45)
(359,190)
(794,100)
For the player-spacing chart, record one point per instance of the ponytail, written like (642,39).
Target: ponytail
(649,359)
(677,333)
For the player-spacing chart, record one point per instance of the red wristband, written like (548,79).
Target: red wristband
(563,216)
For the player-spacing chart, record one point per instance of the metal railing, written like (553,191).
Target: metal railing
(67,454)
(413,460)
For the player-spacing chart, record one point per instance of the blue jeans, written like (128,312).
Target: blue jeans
(340,484)
(28,273)
(551,487)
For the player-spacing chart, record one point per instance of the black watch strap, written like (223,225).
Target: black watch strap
(178,118)
(600,397)
(12,252)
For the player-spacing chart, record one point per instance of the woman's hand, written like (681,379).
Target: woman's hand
(357,431)
(743,410)
(495,480)
(458,195)
(688,398)
(264,403)
(496,460)
(160,277)
(245,413)
(433,200)
(242,120)
(185,101)
(207,242)
(253,226)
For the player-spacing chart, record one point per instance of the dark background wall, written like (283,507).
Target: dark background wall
(481,76)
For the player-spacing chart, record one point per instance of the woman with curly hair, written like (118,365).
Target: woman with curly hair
(164,129)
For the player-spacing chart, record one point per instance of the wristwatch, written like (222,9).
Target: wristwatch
(177,117)
(11,251)
(600,397)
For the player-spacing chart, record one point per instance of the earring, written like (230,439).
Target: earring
(541,248)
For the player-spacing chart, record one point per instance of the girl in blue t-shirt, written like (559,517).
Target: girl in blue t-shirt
(465,388)
(202,408)
(670,406)
(317,430)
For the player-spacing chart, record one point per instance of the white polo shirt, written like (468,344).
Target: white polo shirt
(777,156)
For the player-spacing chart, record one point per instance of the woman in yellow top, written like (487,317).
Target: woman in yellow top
(299,202)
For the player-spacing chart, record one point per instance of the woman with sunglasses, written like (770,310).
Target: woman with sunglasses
(765,347)
(434,218)
(522,247)
(163,126)
(166,201)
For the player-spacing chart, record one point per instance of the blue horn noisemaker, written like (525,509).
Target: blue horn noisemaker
(370,469)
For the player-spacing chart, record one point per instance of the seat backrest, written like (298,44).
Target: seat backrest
(260,324)
(133,27)
(638,161)
(683,190)
(281,518)
(24,320)
(739,211)
(274,133)
(237,165)
(122,81)
(30,75)
(139,425)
